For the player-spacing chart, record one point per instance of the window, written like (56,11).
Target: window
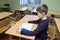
(30,2)
(23,2)
(37,2)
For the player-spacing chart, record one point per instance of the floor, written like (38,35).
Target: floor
(5,37)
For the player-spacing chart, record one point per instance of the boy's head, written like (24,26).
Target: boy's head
(42,10)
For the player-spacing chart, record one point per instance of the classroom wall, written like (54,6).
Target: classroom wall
(15,4)
(2,2)
(52,4)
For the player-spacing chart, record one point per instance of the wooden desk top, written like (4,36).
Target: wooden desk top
(55,12)
(5,14)
(12,30)
(57,20)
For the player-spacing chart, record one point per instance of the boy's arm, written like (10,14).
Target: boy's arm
(39,29)
(34,21)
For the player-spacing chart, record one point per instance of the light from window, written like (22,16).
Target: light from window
(23,2)
(30,2)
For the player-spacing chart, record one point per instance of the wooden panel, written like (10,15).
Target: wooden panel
(3,25)
(4,22)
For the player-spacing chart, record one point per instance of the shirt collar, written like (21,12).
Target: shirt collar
(44,18)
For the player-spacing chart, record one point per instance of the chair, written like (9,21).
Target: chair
(8,7)
(6,4)
(49,19)
(51,32)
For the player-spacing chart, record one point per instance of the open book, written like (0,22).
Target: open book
(27,26)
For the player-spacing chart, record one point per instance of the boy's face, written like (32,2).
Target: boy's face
(40,15)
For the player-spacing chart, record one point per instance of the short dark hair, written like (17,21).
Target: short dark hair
(42,8)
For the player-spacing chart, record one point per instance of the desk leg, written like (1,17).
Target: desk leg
(19,38)
(10,37)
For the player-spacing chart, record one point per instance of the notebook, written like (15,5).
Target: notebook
(27,26)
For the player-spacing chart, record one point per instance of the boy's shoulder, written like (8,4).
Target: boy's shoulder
(44,21)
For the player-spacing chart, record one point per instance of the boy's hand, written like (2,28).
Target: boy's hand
(18,30)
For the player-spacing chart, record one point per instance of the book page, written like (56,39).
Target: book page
(27,26)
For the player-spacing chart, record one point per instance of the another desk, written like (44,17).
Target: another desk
(57,21)
(5,14)
(55,13)
(4,7)
(4,21)
(12,30)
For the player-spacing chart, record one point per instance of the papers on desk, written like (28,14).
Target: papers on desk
(24,8)
(34,10)
(27,26)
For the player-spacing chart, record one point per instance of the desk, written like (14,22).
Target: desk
(4,7)
(4,21)
(5,14)
(12,30)
(57,20)
(55,13)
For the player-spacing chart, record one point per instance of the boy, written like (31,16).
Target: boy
(40,32)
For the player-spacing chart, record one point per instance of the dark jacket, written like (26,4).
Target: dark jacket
(40,32)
